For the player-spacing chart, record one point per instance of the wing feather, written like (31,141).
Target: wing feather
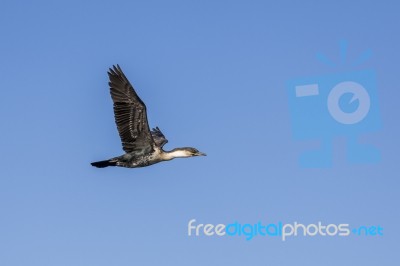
(130,114)
(158,137)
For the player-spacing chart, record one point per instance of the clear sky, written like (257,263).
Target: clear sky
(213,75)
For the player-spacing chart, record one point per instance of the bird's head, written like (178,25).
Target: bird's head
(185,152)
(193,152)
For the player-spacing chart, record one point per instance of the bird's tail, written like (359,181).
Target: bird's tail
(102,164)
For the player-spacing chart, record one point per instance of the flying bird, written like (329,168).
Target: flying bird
(142,146)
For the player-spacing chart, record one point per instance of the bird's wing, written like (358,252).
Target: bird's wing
(130,114)
(158,137)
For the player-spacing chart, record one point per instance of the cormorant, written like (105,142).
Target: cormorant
(143,146)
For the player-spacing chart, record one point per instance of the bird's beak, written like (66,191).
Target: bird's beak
(201,154)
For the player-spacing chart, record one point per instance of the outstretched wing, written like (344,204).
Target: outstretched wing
(158,137)
(130,114)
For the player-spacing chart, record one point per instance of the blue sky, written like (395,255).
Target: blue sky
(213,76)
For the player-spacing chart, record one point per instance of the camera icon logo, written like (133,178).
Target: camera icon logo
(327,106)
